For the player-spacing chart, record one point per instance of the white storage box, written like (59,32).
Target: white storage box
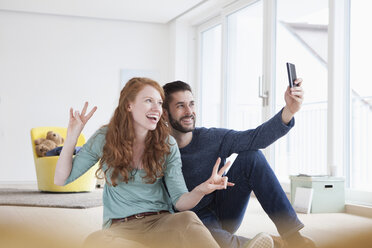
(328,194)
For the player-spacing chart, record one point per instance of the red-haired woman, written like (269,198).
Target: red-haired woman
(139,158)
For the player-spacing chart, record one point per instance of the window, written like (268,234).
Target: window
(360,96)
(302,39)
(236,50)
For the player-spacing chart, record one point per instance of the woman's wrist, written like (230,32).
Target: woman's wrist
(71,140)
(198,190)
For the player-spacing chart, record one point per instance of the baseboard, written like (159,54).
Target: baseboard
(360,210)
(18,182)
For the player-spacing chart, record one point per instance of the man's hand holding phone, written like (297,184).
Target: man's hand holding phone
(293,96)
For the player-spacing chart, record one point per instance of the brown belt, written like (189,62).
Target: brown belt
(138,216)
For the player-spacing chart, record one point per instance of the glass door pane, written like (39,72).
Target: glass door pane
(244,67)
(361,96)
(210,85)
(302,39)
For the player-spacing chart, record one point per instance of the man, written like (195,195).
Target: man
(222,212)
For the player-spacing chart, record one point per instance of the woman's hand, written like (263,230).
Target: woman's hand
(217,181)
(77,121)
(75,126)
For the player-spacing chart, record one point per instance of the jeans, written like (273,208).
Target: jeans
(250,172)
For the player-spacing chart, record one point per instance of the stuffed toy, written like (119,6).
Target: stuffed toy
(44,145)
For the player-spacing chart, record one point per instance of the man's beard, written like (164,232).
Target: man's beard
(177,125)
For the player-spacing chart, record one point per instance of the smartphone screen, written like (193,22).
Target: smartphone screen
(291,69)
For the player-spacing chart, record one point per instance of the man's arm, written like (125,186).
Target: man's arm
(286,116)
(268,132)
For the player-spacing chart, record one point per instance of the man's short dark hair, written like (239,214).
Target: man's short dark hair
(173,87)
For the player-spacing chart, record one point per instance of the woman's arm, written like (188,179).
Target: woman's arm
(75,126)
(216,182)
(64,163)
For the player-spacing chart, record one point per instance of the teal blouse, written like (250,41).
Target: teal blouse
(136,196)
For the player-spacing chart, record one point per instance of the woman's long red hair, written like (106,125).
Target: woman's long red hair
(118,149)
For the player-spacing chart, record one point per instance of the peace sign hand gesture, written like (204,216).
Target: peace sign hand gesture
(216,181)
(77,121)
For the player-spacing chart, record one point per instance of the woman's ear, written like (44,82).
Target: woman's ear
(129,107)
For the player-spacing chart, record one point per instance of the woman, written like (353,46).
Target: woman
(136,153)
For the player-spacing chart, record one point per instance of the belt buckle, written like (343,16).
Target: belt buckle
(139,216)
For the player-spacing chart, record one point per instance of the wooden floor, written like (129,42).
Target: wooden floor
(322,228)
(77,224)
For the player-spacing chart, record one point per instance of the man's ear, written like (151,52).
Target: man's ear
(166,115)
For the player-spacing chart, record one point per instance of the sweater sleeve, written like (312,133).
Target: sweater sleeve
(173,176)
(88,156)
(254,139)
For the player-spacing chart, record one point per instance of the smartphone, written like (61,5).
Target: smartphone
(291,69)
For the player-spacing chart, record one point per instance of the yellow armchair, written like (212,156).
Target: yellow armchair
(45,166)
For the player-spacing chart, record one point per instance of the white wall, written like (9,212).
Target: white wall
(49,63)
(182,47)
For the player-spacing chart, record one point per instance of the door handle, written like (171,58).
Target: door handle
(262,94)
